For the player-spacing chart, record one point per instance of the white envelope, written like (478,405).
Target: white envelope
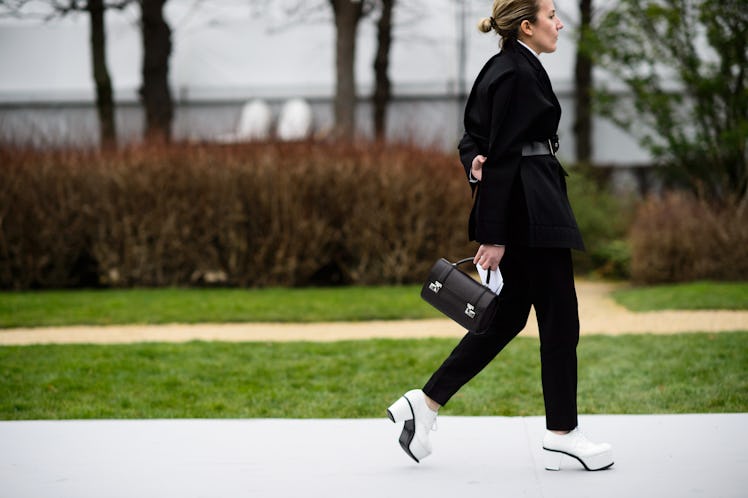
(495,283)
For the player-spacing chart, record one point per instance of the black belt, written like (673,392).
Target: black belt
(537,149)
(543,148)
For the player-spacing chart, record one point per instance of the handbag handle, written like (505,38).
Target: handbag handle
(465,260)
(462,261)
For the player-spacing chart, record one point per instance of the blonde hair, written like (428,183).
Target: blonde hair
(507,16)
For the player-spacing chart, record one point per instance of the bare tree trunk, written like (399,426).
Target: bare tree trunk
(154,92)
(382,90)
(583,85)
(347,15)
(104,98)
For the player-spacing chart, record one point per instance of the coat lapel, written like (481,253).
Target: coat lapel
(543,79)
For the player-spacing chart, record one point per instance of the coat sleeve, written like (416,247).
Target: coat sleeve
(468,150)
(491,209)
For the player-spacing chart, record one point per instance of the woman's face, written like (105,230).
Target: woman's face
(542,35)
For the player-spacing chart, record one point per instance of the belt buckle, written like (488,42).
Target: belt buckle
(550,147)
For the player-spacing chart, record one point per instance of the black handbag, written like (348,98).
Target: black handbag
(459,296)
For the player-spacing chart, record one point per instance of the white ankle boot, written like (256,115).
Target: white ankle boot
(419,420)
(574,444)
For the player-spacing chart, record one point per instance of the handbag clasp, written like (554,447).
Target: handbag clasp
(470,310)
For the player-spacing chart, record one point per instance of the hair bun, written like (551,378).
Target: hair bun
(484,25)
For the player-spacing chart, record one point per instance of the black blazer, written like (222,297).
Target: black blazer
(520,200)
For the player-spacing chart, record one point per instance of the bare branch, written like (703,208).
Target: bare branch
(119,4)
(46,10)
(15,9)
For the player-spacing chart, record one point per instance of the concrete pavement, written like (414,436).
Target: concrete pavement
(655,456)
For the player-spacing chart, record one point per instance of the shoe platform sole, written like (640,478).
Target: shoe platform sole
(593,463)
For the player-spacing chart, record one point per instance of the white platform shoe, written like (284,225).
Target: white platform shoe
(593,456)
(418,420)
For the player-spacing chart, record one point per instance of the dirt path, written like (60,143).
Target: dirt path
(599,314)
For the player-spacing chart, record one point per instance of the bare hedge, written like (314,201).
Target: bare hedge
(274,214)
(678,237)
(241,215)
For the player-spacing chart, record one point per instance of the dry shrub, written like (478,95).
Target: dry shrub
(43,220)
(245,215)
(678,237)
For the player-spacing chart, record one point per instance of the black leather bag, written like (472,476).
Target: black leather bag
(459,296)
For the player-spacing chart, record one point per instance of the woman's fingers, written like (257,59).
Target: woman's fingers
(489,256)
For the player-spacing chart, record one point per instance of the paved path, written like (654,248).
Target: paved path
(656,456)
(599,314)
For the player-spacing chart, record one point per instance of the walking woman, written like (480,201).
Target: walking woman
(524,224)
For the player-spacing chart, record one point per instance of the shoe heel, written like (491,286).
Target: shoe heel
(400,410)
(552,459)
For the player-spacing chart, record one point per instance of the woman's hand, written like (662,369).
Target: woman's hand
(489,256)
(476,169)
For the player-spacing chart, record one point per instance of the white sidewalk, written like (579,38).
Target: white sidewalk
(655,456)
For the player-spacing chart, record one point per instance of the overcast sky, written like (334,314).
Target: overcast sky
(227,49)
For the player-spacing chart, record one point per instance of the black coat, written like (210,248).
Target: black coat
(520,200)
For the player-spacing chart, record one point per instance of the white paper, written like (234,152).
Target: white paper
(495,283)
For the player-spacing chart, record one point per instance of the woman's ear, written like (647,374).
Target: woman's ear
(526,27)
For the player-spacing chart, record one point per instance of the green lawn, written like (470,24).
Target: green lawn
(618,374)
(154,306)
(689,296)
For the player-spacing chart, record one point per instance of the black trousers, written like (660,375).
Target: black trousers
(538,277)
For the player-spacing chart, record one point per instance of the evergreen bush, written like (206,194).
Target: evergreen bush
(604,220)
